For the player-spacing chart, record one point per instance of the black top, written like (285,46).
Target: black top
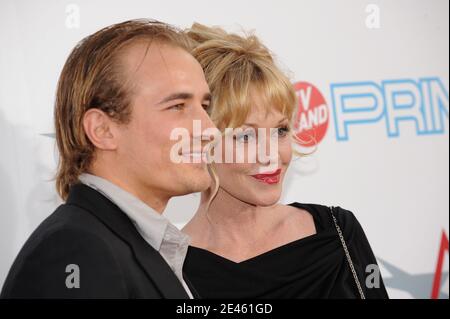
(113,259)
(311,267)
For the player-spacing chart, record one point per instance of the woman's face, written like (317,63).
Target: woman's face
(256,179)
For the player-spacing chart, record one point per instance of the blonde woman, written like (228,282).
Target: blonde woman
(243,243)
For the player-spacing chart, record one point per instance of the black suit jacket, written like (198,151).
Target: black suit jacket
(114,261)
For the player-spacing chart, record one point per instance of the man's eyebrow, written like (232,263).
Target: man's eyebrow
(183,96)
(176,96)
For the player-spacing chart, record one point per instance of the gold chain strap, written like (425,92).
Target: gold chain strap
(347,254)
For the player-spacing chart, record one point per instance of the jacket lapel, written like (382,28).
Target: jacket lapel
(115,219)
(194,292)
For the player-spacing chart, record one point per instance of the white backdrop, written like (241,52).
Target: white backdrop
(382,68)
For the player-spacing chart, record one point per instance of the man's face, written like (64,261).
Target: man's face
(169,91)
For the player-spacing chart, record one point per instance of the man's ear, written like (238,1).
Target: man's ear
(100,129)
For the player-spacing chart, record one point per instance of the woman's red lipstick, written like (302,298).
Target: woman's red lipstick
(271,178)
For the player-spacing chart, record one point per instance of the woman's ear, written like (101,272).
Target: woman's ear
(100,129)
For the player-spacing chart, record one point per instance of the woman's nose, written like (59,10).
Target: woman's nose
(268,150)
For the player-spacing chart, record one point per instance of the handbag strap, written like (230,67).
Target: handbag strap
(347,254)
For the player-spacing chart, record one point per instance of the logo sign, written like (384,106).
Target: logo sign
(311,120)
(391,103)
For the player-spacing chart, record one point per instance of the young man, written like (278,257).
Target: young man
(121,93)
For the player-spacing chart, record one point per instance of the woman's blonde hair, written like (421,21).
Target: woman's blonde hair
(234,65)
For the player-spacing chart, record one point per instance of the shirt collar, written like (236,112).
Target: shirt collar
(151,225)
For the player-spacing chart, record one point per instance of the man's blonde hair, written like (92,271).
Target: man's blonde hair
(92,77)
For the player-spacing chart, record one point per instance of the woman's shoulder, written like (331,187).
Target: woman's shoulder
(322,215)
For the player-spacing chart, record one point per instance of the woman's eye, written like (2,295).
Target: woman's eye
(283,131)
(205,107)
(244,138)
